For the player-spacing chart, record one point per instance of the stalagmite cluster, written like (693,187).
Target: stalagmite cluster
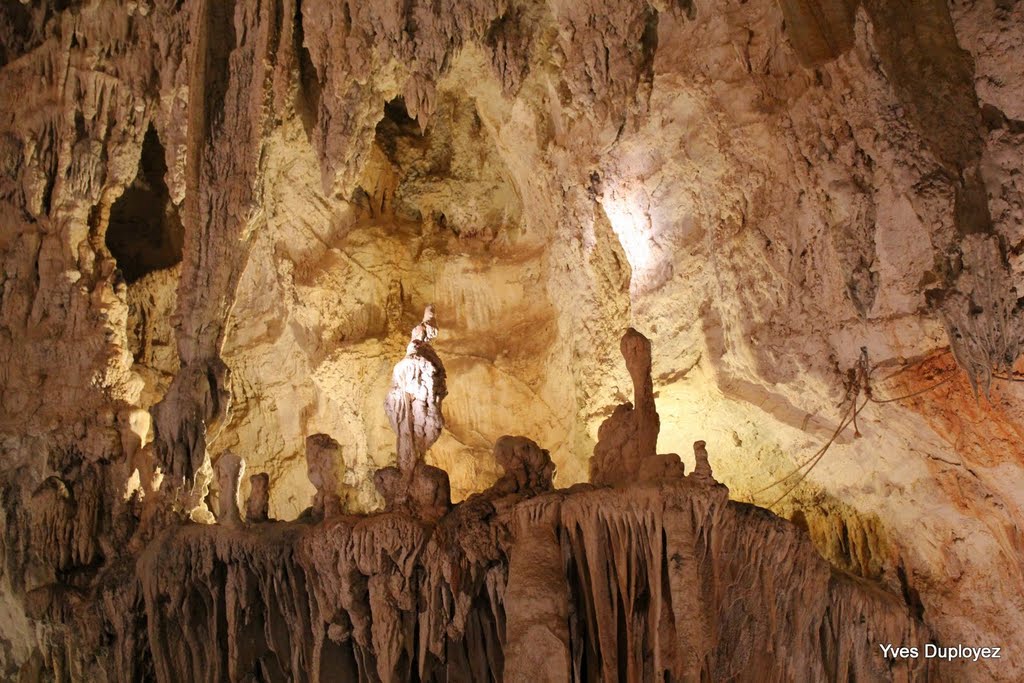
(220,219)
(384,598)
(643,580)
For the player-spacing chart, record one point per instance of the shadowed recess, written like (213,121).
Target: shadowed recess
(145,232)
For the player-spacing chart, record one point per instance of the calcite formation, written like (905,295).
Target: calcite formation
(230,469)
(219,220)
(626,449)
(413,403)
(635,581)
(413,406)
(257,506)
(326,465)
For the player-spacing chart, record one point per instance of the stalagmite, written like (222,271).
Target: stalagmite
(134,426)
(257,507)
(325,465)
(221,220)
(702,470)
(647,580)
(413,407)
(186,423)
(230,469)
(528,469)
(626,449)
(418,387)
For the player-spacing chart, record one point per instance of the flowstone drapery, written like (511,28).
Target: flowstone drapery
(634,576)
(633,580)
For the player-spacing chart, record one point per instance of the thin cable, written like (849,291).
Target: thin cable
(842,425)
(853,388)
(900,371)
(848,418)
(815,461)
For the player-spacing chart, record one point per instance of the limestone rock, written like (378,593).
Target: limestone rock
(983,313)
(257,506)
(413,406)
(626,449)
(228,215)
(387,598)
(702,470)
(230,469)
(185,423)
(326,466)
(418,387)
(528,469)
(423,490)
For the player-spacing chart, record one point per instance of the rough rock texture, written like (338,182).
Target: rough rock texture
(230,470)
(636,583)
(257,506)
(413,407)
(627,442)
(413,403)
(326,463)
(219,220)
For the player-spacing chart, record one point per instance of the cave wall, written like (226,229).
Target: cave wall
(762,188)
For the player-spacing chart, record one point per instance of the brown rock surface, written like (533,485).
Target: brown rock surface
(257,505)
(624,584)
(219,220)
(627,442)
(326,466)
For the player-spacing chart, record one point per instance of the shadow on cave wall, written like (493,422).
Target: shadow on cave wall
(145,233)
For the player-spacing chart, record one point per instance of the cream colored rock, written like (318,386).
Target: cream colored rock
(413,403)
(413,407)
(763,187)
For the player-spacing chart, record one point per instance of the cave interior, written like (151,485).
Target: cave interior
(611,340)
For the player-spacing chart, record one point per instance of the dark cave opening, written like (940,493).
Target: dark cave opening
(397,125)
(308,94)
(145,233)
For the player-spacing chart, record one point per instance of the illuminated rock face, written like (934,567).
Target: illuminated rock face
(219,220)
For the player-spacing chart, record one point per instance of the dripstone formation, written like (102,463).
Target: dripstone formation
(413,406)
(626,450)
(642,575)
(220,220)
